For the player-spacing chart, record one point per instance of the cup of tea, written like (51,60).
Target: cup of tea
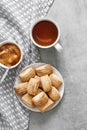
(10,56)
(45,33)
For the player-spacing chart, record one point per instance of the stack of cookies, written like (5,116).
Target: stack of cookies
(39,87)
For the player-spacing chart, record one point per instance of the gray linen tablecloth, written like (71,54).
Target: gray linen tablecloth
(16,16)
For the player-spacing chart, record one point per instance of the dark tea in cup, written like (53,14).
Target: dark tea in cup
(45,33)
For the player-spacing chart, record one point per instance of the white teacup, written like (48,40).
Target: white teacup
(55,43)
(13,66)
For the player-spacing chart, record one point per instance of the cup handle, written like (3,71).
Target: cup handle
(4,76)
(58,47)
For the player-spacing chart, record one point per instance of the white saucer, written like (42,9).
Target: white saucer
(61,89)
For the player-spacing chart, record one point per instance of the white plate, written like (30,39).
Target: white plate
(61,89)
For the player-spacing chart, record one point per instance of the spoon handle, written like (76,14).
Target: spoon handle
(4,76)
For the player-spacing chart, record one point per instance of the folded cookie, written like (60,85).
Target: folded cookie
(21,88)
(54,94)
(33,86)
(44,70)
(46,83)
(56,80)
(26,74)
(27,99)
(39,79)
(40,99)
(46,106)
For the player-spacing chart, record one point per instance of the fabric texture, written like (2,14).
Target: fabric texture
(16,17)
